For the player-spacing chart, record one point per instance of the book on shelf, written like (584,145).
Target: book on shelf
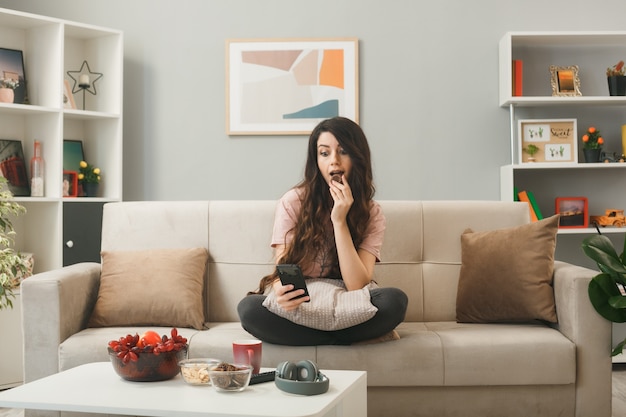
(518,71)
(533,202)
(529,197)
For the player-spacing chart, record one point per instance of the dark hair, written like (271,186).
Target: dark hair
(309,233)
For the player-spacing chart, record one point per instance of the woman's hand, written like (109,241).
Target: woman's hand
(286,297)
(343,199)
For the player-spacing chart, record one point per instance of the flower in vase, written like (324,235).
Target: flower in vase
(9,83)
(88,174)
(592,139)
(617,69)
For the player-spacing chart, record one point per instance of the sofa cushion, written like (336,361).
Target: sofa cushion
(506,274)
(160,287)
(332,307)
(461,354)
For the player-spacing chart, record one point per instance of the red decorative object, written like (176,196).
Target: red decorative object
(574,212)
(70,183)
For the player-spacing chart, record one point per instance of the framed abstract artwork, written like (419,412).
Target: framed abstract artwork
(287,86)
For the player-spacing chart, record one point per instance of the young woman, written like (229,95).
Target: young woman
(331,227)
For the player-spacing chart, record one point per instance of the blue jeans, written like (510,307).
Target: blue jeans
(270,328)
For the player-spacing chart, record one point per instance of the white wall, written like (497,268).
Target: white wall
(428,88)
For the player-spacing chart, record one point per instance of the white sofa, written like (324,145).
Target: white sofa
(438,368)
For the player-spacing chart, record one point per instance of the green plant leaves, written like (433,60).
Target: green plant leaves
(601,289)
(618,348)
(600,249)
(604,293)
(10,261)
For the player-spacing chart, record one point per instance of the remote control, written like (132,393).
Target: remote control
(262,377)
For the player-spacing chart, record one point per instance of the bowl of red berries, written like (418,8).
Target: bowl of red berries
(149,357)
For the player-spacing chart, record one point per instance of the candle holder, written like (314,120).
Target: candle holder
(84,80)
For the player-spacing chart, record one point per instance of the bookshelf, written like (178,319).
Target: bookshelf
(50,48)
(592,52)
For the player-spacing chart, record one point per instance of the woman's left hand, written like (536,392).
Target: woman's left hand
(342,196)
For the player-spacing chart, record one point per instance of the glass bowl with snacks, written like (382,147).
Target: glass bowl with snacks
(196,371)
(229,377)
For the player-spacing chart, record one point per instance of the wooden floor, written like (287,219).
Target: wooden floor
(619,390)
(619,395)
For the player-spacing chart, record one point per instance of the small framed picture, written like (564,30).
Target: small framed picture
(564,81)
(13,167)
(73,153)
(12,68)
(68,97)
(573,212)
(70,183)
(547,141)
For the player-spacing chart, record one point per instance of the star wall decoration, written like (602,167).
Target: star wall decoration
(81,76)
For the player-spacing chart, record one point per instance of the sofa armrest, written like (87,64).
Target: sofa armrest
(55,305)
(591,333)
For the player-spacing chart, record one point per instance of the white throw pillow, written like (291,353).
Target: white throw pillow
(332,307)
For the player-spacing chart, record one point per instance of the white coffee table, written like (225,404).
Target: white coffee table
(96,388)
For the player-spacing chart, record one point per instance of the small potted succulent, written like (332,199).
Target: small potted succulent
(531,150)
(616,78)
(592,144)
(7,87)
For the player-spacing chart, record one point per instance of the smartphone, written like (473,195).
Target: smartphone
(292,274)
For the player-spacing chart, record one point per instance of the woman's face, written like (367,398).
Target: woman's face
(331,157)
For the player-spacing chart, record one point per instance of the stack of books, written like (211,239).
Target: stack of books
(529,197)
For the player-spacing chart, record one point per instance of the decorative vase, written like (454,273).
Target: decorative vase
(617,85)
(592,155)
(7,95)
(91,189)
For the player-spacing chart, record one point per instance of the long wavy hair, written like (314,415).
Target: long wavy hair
(310,234)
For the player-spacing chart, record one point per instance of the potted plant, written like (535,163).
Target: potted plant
(531,150)
(607,290)
(592,144)
(89,179)
(13,266)
(7,85)
(616,78)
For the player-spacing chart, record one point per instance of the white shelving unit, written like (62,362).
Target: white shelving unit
(51,47)
(601,183)
(593,52)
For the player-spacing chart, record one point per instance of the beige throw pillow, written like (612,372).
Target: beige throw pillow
(506,275)
(332,307)
(159,287)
